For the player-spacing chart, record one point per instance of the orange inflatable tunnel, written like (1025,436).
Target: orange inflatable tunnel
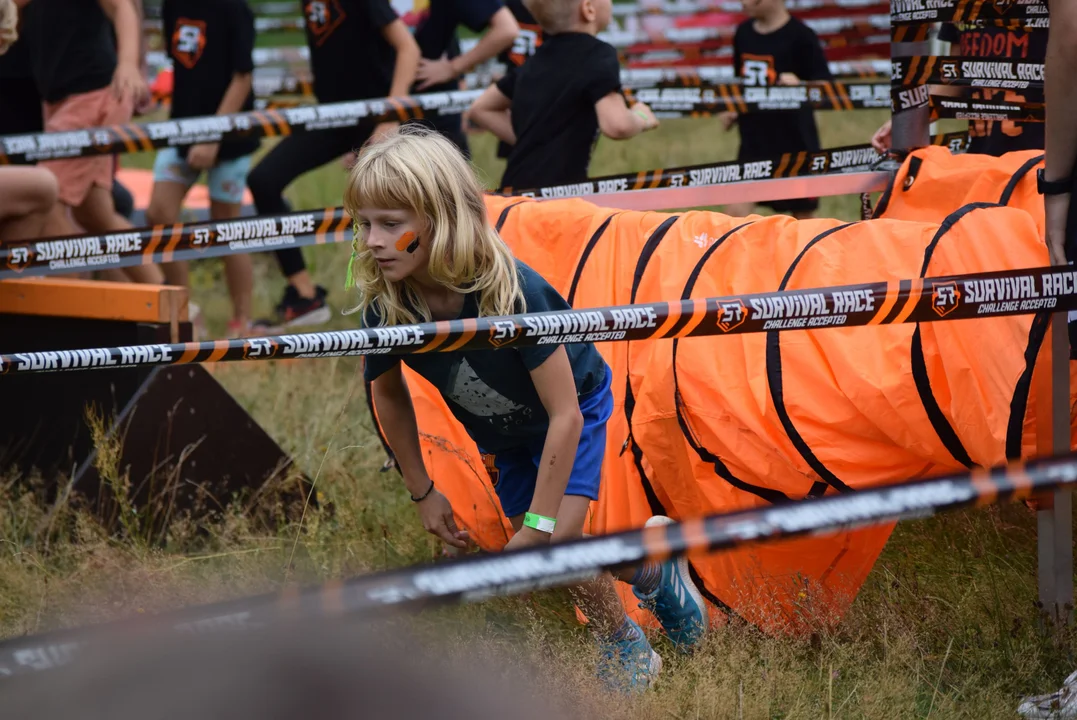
(720,423)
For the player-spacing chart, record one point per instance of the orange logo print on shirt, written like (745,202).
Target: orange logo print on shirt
(758,69)
(188,42)
(323,17)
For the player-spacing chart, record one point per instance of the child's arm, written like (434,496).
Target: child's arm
(397,34)
(557,390)
(204,156)
(619,122)
(492,111)
(501,32)
(397,416)
(127,81)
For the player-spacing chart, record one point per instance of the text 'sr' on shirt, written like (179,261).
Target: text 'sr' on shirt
(349,56)
(553,109)
(209,42)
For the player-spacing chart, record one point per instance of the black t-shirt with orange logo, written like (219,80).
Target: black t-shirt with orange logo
(991,137)
(758,60)
(209,42)
(349,56)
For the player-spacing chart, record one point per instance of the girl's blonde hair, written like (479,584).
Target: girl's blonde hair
(419,170)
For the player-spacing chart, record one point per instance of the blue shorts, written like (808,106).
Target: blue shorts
(227,179)
(513,472)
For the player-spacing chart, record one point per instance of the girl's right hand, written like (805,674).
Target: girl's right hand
(437,516)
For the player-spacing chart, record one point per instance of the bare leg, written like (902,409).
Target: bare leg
(98,214)
(28,196)
(599,597)
(739,210)
(164,209)
(239,269)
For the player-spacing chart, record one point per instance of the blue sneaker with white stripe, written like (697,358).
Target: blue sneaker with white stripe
(676,602)
(629,665)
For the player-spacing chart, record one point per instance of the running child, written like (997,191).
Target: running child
(85,58)
(434,23)
(774,48)
(424,250)
(359,50)
(210,43)
(552,109)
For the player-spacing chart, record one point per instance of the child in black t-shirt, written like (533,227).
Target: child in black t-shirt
(528,40)
(435,23)
(210,43)
(552,109)
(774,48)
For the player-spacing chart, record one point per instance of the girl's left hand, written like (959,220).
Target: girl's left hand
(527,537)
(435,72)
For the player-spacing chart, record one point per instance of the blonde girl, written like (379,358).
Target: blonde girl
(425,251)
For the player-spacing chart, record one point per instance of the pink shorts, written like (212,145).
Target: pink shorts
(79,112)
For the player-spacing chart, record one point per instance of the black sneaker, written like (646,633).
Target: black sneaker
(296,311)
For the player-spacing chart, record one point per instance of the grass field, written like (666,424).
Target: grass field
(945,626)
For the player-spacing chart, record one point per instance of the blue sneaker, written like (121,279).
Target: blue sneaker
(677,602)
(629,665)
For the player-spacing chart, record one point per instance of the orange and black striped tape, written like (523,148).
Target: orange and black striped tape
(969,72)
(193,241)
(477,577)
(709,99)
(137,137)
(956,297)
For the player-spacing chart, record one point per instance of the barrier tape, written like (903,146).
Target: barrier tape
(736,8)
(139,137)
(478,577)
(195,241)
(953,297)
(711,99)
(964,11)
(947,70)
(944,106)
(852,158)
(707,54)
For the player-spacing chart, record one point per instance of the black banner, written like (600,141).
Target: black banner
(944,106)
(477,577)
(956,297)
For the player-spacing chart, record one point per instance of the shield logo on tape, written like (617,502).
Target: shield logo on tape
(731,315)
(945,298)
(502,332)
(260,348)
(18,257)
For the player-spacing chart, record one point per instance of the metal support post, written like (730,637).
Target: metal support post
(1054,518)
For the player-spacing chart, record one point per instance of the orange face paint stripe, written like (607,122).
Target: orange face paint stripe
(404,241)
(893,290)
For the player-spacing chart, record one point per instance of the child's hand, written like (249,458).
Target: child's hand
(650,122)
(728,119)
(527,537)
(435,72)
(129,84)
(9,20)
(203,156)
(881,139)
(788,78)
(437,516)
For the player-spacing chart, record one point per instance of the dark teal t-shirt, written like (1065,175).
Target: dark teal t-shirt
(490,391)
